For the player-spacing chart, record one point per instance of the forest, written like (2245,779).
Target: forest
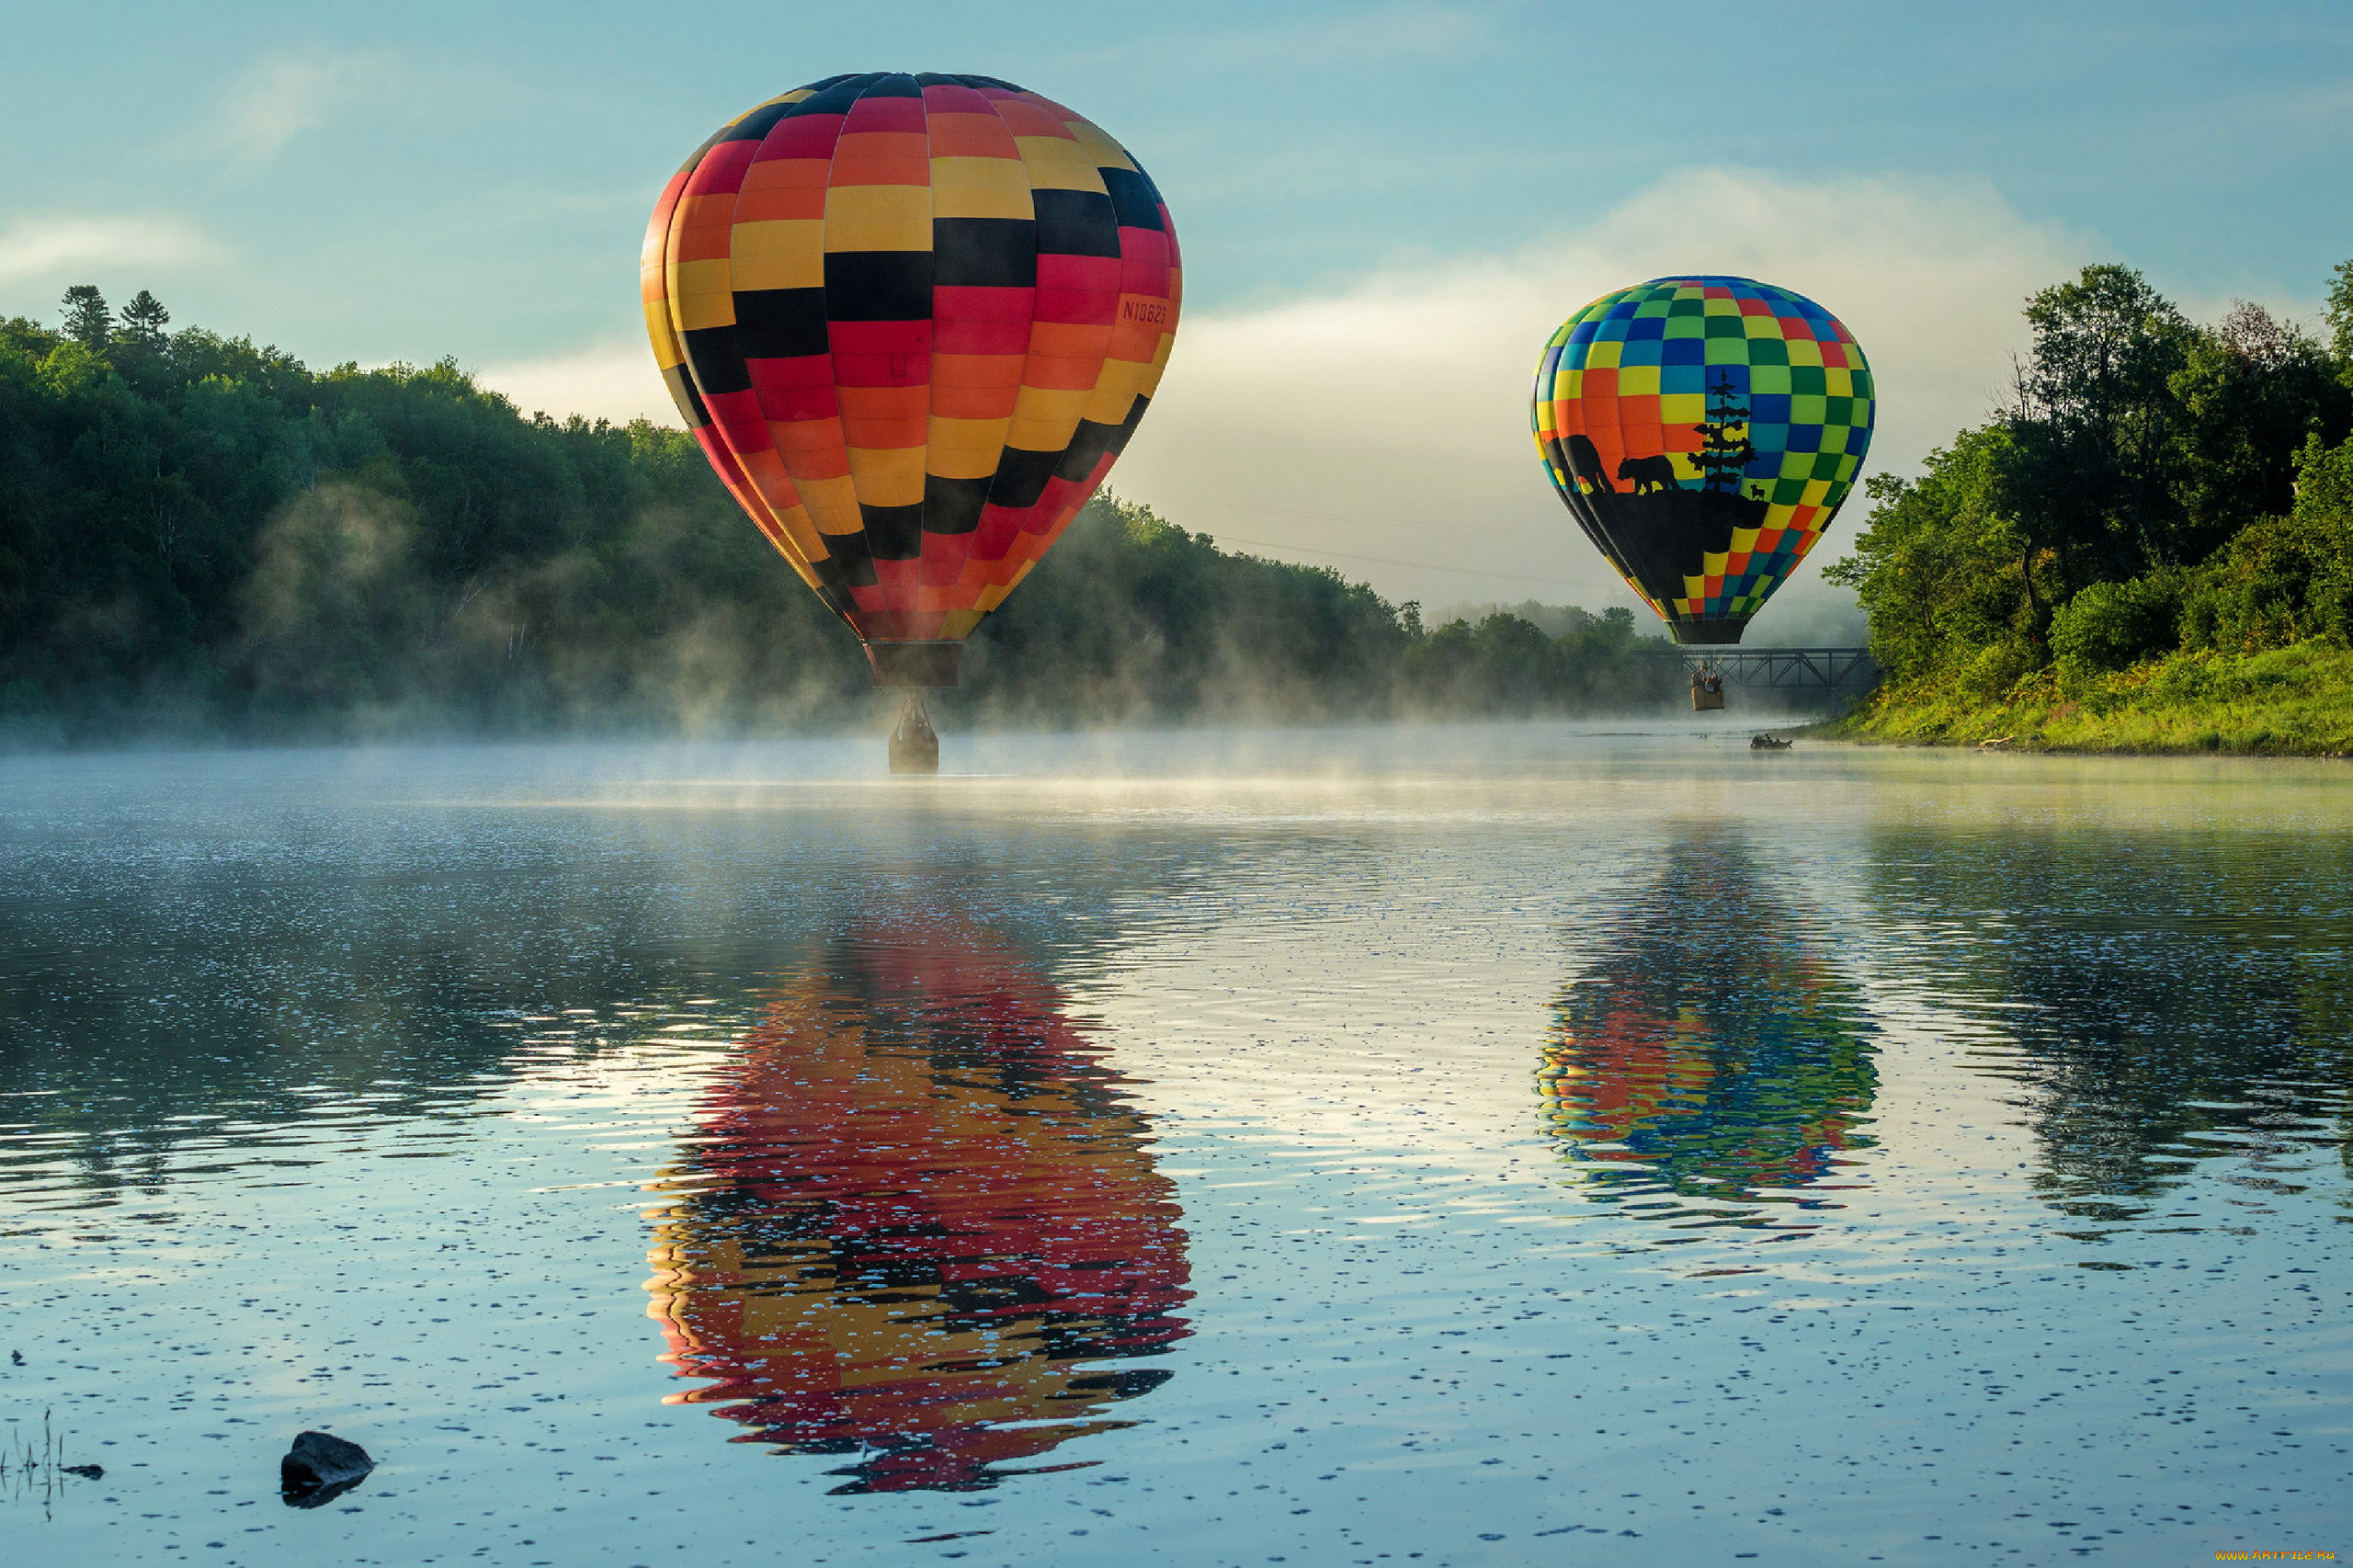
(204,537)
(2148,545)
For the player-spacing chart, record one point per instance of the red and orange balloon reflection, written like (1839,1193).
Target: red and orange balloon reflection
(920,1224)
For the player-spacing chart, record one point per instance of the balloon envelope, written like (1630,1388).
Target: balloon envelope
(920,1222)
(911,320)
(1703,431)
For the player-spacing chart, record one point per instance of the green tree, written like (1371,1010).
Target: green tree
(2340,316)
(143,320)
(2093,425)
(1952,578)
(87,322)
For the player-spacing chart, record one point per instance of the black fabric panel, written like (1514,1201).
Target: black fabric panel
(838,95)
(1075,222)
(952,505)
(717,362)
(878,285)
(683,392)
(895,533)
(1021,476)
(856,566)
(759,122)
(893,85)
(1087,445)
(1134,201)
(983,253)
(990,82)
(780,324)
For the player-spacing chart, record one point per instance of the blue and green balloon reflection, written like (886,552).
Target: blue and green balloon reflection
(1714,1066)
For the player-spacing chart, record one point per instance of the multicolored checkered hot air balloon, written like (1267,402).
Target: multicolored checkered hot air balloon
(911,320)
(1703,431)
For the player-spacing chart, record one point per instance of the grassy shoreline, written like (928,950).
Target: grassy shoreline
(2291,701)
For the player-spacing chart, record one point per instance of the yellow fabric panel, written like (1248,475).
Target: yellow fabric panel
(959,622)
(1638,380)
(1682,408)
(701,295)
(833,504)
(1743,540)
(1114,391)
(1057,165)
(1838,382)
(1044,418)
(892,477)
(965,449)
(803,533)
(1160,359)
(1804,351)
(877,217)
(779,253)
(1817,491)
(1712,562)
(1601,357)
(980,188)
(668,352)
(1101,151)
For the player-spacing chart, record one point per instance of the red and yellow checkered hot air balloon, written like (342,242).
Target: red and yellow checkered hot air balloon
(911,320)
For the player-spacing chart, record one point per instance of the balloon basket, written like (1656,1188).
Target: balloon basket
(914,744)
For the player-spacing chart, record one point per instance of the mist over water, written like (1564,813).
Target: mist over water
(1204,1147)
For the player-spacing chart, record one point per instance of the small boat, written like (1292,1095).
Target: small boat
(1762,741)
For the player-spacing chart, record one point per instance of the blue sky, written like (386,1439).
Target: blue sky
(1384,208)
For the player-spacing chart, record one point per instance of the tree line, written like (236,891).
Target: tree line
(2150,487)
(202,535)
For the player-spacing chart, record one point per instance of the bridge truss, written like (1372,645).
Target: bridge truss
(1829,670)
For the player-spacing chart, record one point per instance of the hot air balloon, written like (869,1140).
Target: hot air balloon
(911,320)
(919,1225)
(1703,431)
(1714,1063)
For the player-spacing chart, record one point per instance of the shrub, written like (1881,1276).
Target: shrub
(2110,626)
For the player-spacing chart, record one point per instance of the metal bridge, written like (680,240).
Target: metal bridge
(1830,670)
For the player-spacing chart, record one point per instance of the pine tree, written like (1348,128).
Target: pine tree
(143,320)
(1723,453)
(88,320)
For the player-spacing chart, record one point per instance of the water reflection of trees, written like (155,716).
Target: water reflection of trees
(1712,1066)
(919,1223)
(2168,998)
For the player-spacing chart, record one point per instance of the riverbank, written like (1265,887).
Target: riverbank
(2291,702)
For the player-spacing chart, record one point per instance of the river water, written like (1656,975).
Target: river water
(1547,1144)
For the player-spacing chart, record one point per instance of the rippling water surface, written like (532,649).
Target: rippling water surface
(1517,1145)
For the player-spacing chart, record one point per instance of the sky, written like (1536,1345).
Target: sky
(1385,208)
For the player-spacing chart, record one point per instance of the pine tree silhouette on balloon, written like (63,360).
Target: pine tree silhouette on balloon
(1724,447)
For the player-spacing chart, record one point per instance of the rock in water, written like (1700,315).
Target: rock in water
(321,1466)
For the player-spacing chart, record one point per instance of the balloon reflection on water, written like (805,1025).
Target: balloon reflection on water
(920,1224)
(1714,1066)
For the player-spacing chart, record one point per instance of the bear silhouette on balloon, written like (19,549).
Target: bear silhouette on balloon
(1649,473)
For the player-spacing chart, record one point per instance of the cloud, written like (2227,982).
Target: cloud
(36,249)
(1387,422)
(284,96)
(615,380)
